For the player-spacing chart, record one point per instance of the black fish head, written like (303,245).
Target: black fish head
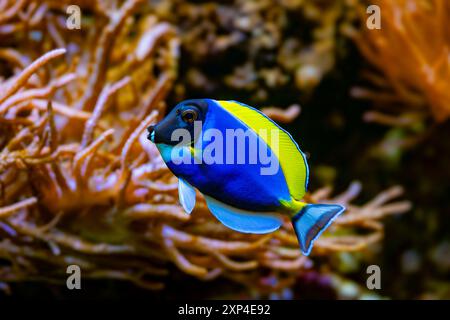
(181,121)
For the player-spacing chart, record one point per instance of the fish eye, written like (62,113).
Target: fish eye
(189,115)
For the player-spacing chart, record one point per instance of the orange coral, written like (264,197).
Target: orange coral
(412,53)
(80,184)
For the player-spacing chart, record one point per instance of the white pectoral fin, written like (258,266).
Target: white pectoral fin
(242,220)
(186,194)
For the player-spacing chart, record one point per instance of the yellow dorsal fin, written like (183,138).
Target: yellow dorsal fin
(292,160)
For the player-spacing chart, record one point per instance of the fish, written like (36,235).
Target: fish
(249,184)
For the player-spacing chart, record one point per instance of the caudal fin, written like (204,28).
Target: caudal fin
(311,221)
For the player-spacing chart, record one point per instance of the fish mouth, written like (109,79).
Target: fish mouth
(151,136)
(151,133)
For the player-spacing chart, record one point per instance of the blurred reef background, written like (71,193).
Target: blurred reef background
(80,184)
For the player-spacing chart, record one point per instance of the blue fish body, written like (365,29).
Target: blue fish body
(238,185)
(237,193)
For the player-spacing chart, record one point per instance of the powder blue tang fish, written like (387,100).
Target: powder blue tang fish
(237,193)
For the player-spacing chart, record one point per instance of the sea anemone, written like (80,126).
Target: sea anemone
(411,59)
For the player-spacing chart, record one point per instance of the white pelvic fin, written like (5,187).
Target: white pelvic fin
(186,194)
(242,220)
